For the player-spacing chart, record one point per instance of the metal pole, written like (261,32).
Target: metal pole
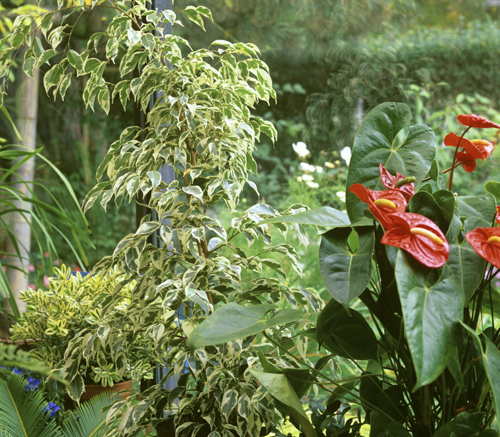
(167,174)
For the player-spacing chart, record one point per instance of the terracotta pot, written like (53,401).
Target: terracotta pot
(93,390)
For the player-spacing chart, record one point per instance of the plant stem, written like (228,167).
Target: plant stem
(453,165)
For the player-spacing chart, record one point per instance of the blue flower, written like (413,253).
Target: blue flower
(52,409)
(16,371)
(32,384)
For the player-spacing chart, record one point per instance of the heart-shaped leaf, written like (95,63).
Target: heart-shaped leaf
(376,143)
(345,334)
(430,316)
(345,272)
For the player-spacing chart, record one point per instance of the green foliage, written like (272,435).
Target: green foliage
(22,413)
(204,129)
(45,219)
(21,410)
(63,319)
(420,369)
(12,356)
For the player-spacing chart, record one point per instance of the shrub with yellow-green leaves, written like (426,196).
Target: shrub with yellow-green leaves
(62,320)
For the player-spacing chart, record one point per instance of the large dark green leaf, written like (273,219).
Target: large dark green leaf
(477,206)
(467,266)
(345,334)
(423,203)
(233,321)
(465,425)
(324,216)
(280,388)
(380,428)
(300,379)
(376,397)
(345,273)
(430,315)
(491,363)
(438,207)
(376,143)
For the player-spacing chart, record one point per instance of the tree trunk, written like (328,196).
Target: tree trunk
(26,108)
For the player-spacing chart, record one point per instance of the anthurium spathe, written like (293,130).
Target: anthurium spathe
(419,236)
(382,204)
(497,215)
(405,185)
(486,243)
(474,149)
(473,120)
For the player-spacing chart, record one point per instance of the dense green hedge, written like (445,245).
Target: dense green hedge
(381,69)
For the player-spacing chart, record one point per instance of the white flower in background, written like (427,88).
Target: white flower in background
(341,195)
(304,166)
(307,178)
(319,169)
(345,154)
(313,184)
(299,179)
(329,165)
(301,149)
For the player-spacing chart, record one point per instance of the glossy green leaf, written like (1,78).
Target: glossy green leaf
(477,206)
(493,187)
(467,266)
(345,334)
(376,396)
(380,428)
(301,379)
(376,143)
(323,216)
(232,321)
(465,425)
(344,272)
(491,363)
(280,388)
(430,316)
(423,203)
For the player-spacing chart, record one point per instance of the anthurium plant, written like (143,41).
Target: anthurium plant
(422,261)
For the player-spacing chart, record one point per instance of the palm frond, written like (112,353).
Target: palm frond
(21,411)
(87,420)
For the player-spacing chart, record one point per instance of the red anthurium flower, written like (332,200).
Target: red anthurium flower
(404,185)
(420,237)
(382,204)
(497,215)
(467,161)
(473,120)
(474,149)
(486,243)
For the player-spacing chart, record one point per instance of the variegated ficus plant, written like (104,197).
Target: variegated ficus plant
(202,127)
(421,260)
